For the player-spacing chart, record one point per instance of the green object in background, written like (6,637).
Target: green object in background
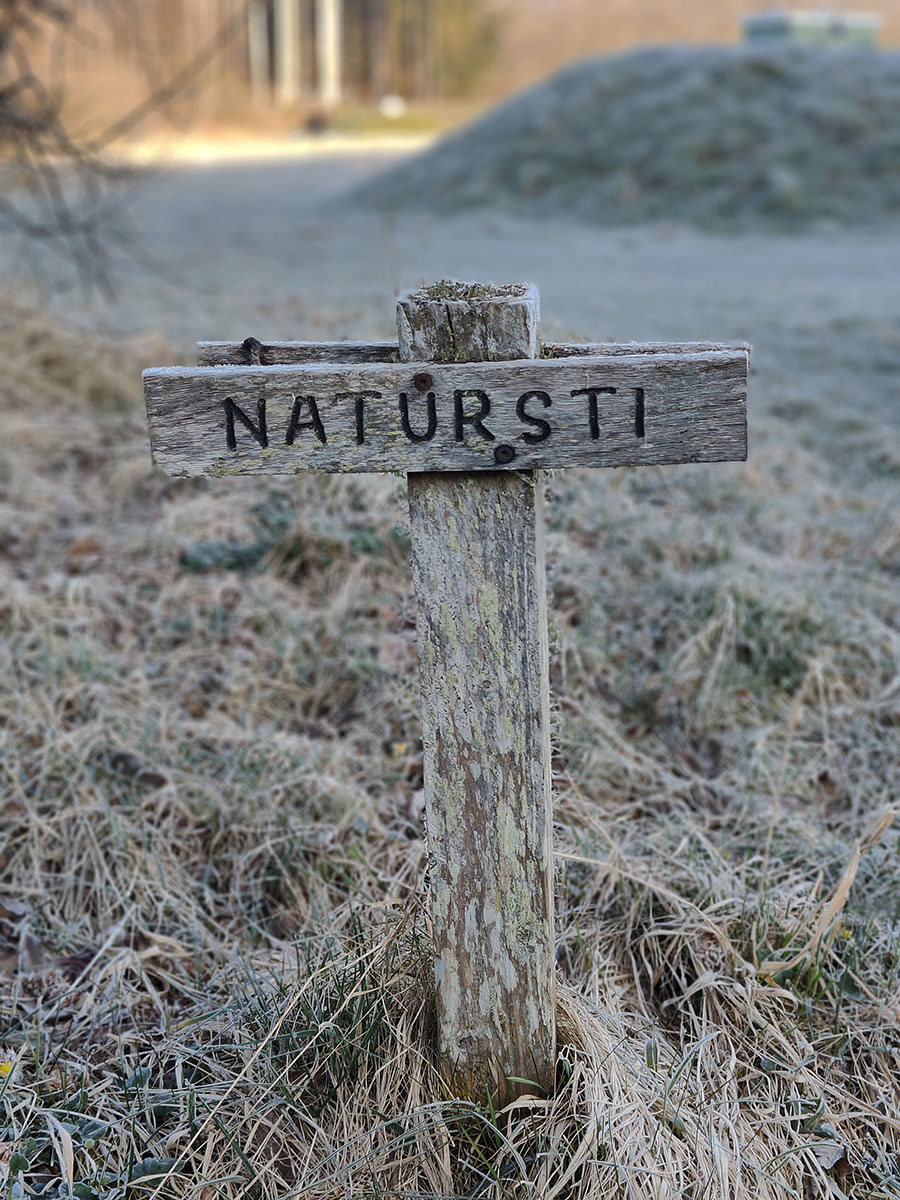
(814,28)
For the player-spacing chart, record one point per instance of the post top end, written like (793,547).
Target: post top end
(450,290)
(452,321)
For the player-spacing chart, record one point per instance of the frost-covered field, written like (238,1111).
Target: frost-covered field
(213,961)
(737,137)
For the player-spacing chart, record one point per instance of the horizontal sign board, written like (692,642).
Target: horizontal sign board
(594,411)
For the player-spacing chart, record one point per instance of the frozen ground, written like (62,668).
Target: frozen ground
(210,767)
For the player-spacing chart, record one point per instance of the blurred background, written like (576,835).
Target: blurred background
(710,116)
(289,63)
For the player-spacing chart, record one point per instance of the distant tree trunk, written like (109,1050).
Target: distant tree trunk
(329,40)
(404,21)
(428,75)
(258,51)
(379,48)
(287,52)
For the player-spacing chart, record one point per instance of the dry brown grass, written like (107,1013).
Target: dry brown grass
(213,945)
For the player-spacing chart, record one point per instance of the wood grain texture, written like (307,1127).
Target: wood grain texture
(482,631)
(478,566)
(486,330)
(692,409)
(221,354)
(615,349)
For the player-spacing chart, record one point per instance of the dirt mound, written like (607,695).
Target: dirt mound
(724,136)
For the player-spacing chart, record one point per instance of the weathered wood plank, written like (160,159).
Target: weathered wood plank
(238,354)
(267,354)
(478,567)
(615,349)
(599,411)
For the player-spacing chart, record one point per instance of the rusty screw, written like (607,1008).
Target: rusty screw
(504,454)
(423,381)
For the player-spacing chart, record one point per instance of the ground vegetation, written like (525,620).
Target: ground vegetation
(213,935)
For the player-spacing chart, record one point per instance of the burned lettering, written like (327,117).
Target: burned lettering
(537,422)
(258,430)
(620,408)
(432,419)
(593,408)
(462,418)
(639,431)
(359,409)
(295,425)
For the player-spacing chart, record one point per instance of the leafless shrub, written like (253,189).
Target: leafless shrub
(54,188)
(60,190)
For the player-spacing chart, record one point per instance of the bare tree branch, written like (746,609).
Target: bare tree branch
(55,189)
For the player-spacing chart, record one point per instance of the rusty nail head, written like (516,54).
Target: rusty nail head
(504,454)
(253,346)
(423,381)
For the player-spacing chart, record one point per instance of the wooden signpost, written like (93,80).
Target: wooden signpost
(471,406)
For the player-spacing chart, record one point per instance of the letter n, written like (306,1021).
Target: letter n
(258,430)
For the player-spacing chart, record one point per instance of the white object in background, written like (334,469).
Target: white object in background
(392,107)
(813,27)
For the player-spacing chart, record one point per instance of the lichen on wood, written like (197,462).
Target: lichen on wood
(453,289)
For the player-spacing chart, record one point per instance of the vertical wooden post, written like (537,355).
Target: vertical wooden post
(329,39)
(478,565)
(287,52)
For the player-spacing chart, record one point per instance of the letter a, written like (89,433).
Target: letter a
(296,425)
